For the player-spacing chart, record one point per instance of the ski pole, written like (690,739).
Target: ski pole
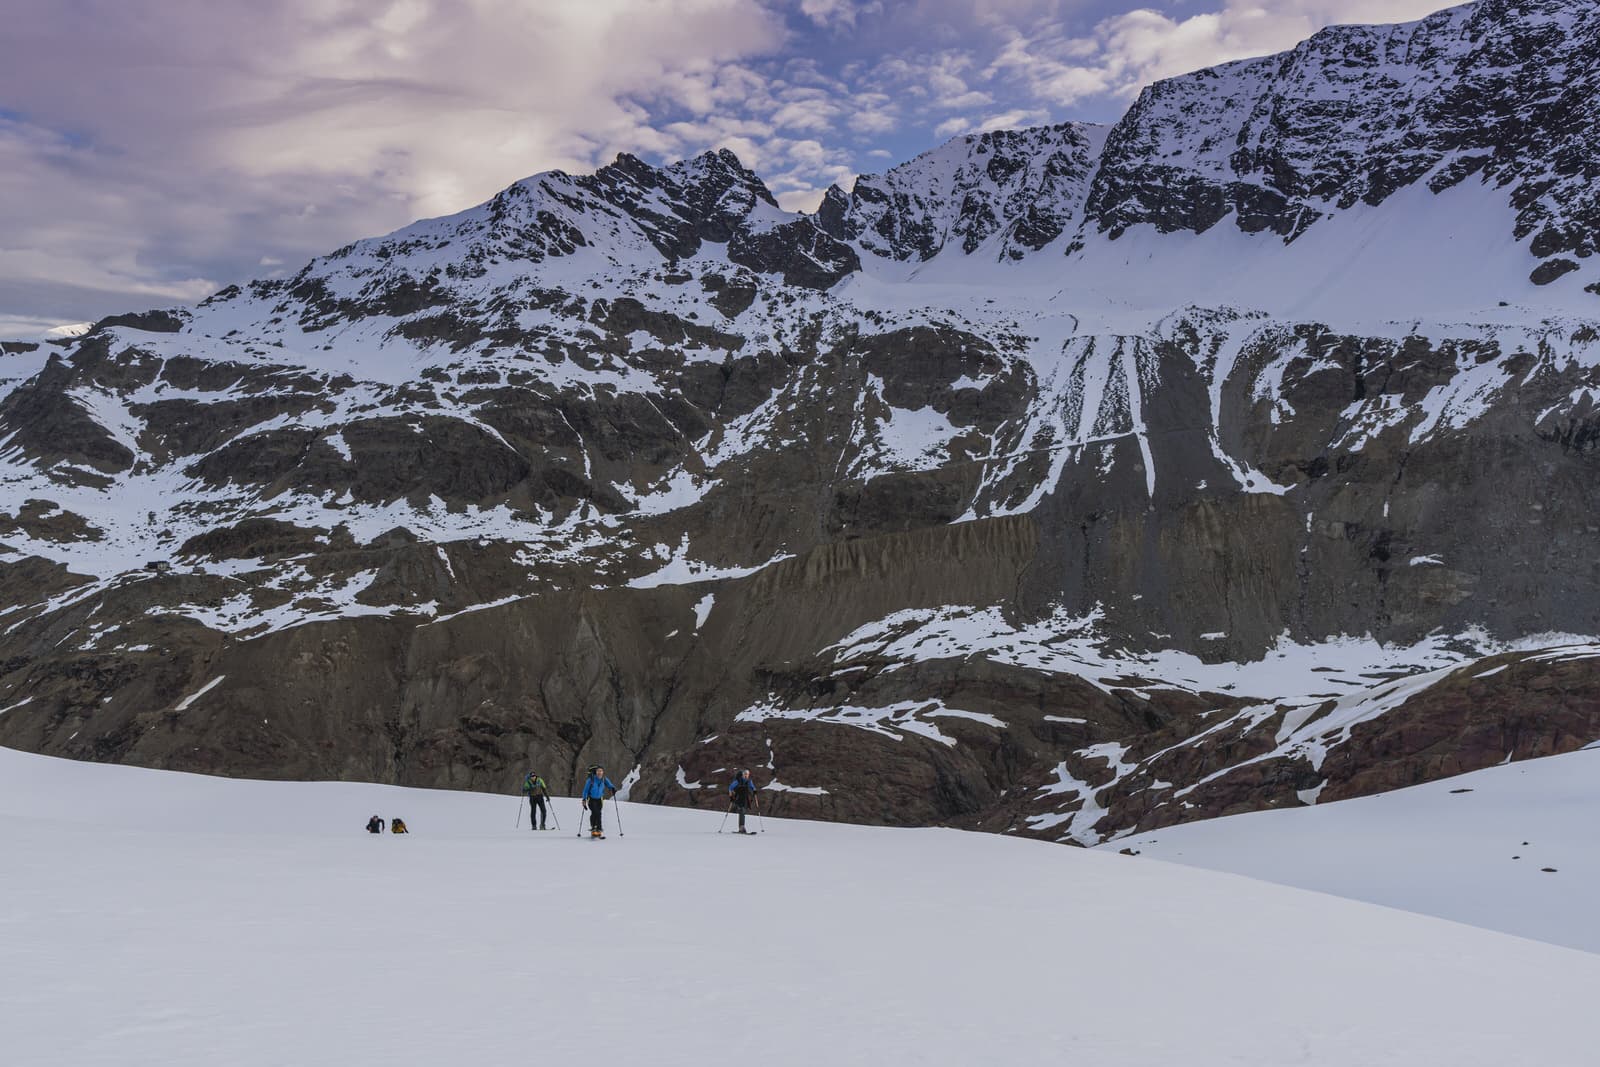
(519,813)
(581,805)
(725,815)
(550,802)
(616,806)
(760,816)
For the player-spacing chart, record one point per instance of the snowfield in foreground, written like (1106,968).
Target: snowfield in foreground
(157,918)
(1513,848)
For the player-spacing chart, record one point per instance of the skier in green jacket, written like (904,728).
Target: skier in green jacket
(536,792)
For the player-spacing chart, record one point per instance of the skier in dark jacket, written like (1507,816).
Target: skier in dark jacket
(536,791)
(374,825)
(595,790)
(741,794)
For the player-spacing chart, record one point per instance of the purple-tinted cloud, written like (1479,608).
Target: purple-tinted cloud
(150,153)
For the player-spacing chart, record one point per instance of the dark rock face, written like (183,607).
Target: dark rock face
(47,422)
(253,538)
(635,467)
(151,321)
(1551,269)
(1503,708)
(804,255)
(731,297)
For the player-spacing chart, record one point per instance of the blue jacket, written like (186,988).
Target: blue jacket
(741,784)
(596,787)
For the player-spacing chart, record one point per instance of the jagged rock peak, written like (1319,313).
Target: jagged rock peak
(1028,184)
(700,199)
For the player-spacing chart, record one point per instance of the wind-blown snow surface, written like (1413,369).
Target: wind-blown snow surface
(1474,848)
(157,918)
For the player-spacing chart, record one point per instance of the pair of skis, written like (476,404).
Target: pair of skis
(741,829)
(552,807)
(617,808)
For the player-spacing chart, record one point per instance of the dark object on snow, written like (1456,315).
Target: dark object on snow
(398,826)
(374,825)
(158,566)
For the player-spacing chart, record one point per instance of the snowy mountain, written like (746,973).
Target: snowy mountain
(1070,482)
(204,921)
(1023,187)
(1498,93)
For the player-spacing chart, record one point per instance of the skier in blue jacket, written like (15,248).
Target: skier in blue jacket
(595,790)
(741,792)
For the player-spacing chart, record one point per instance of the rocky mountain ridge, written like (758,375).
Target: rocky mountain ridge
(1068,481)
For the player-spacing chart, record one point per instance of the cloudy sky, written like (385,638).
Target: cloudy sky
(152,151)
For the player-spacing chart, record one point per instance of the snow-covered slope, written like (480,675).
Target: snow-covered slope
(163,919)
(1513,848)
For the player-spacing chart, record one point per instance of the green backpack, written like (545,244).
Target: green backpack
(533,783)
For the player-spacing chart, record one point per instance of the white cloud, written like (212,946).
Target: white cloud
(838,13)
(1010,120)
(805,199)
(1128,51)
(1142,46)
(816,114)
(168,146)
(872,113)
(808,152)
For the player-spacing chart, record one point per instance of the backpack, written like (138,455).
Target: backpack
(532,784)
(398,826)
